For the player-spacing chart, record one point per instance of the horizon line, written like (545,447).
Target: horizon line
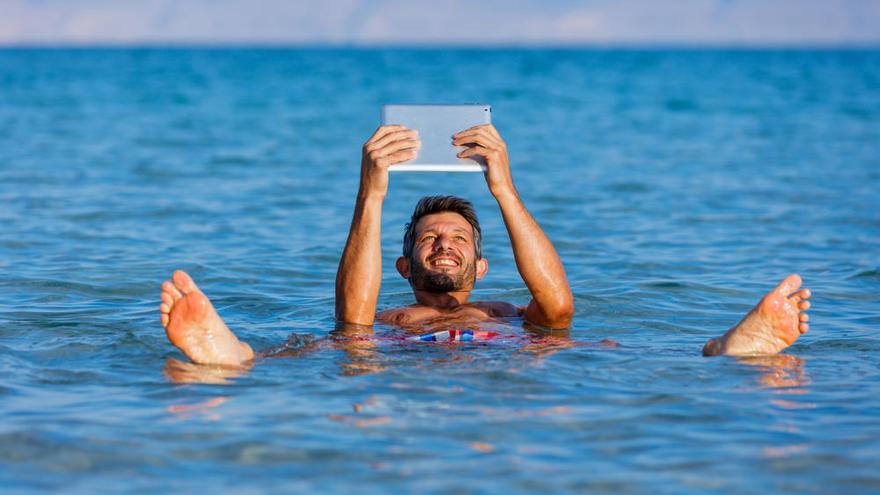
(634,44)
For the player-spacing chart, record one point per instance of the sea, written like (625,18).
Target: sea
(677,185)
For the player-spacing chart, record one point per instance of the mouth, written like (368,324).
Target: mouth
(443,262)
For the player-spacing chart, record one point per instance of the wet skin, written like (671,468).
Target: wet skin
(444,245)
(447,251)
(444,267)
(192,324)
(195,328)
(424,319)
(771,326)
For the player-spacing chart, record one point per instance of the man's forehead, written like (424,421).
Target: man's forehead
(446,220)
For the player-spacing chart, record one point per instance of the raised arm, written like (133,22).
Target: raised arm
(360,269)
(552,304)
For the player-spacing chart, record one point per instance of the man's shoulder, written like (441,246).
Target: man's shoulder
(498,308)
(406,314)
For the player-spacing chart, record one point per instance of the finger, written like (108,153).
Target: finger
(390,138)
(476,131)
(475,151)
(474,128)
(400,156)
(383,130)
(394,147)
(487,130)
(480,139)
(493,131)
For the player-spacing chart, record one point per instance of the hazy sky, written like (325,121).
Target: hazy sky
(391,22)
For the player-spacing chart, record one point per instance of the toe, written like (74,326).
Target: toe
(165,319)
(799,296)
(167,298)
(804,327)
(790,284)
(804,305)
(183,281)
(165,308)
(803,317)
(169,288)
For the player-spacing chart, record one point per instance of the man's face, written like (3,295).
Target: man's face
(444,255)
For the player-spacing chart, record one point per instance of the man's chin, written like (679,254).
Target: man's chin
(440,282)
(440,279)
(437,283)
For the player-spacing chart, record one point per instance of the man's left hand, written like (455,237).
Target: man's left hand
(484,141)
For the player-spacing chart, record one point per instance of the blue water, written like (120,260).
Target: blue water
(678,186)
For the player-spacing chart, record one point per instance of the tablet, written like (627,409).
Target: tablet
(436,125)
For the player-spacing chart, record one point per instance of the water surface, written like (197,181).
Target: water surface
(677,186)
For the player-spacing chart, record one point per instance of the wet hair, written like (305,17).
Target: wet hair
(441,204)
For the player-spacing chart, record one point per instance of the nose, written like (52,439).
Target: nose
(442,243)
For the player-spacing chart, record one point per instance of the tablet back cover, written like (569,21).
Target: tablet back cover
(436,125)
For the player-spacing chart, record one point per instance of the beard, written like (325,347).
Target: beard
(422,278)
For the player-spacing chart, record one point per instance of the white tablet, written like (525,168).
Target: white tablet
(436,125)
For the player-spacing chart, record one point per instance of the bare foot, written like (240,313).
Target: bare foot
(195,328)
(774,324)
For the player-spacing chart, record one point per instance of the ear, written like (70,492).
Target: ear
(482,267)
(402,265)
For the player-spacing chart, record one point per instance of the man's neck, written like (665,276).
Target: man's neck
(442,300)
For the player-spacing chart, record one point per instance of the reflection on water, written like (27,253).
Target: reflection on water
(186,372)
(677,186)
(544,346)
(360,348)
(784,374)
(205,409)
(783,371)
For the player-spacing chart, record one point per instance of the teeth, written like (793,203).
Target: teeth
(444,263)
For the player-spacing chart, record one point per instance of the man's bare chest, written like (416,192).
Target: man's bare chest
(467,313)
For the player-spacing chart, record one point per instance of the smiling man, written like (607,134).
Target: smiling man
(442,259)
(442,252)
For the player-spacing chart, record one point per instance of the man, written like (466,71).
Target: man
(442,260)
(442,252)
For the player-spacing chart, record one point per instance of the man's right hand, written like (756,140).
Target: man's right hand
(390,144)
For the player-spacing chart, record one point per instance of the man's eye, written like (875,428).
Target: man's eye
(428,238)
(460,238)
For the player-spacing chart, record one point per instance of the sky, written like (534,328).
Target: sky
(440,22)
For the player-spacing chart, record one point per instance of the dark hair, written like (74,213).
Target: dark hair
(439,204)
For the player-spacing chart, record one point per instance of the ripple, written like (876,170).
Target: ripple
(867,274)
(688,184)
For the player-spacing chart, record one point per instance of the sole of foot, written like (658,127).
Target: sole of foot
(771,326)
(192,324)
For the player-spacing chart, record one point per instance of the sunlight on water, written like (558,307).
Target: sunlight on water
(677,187)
